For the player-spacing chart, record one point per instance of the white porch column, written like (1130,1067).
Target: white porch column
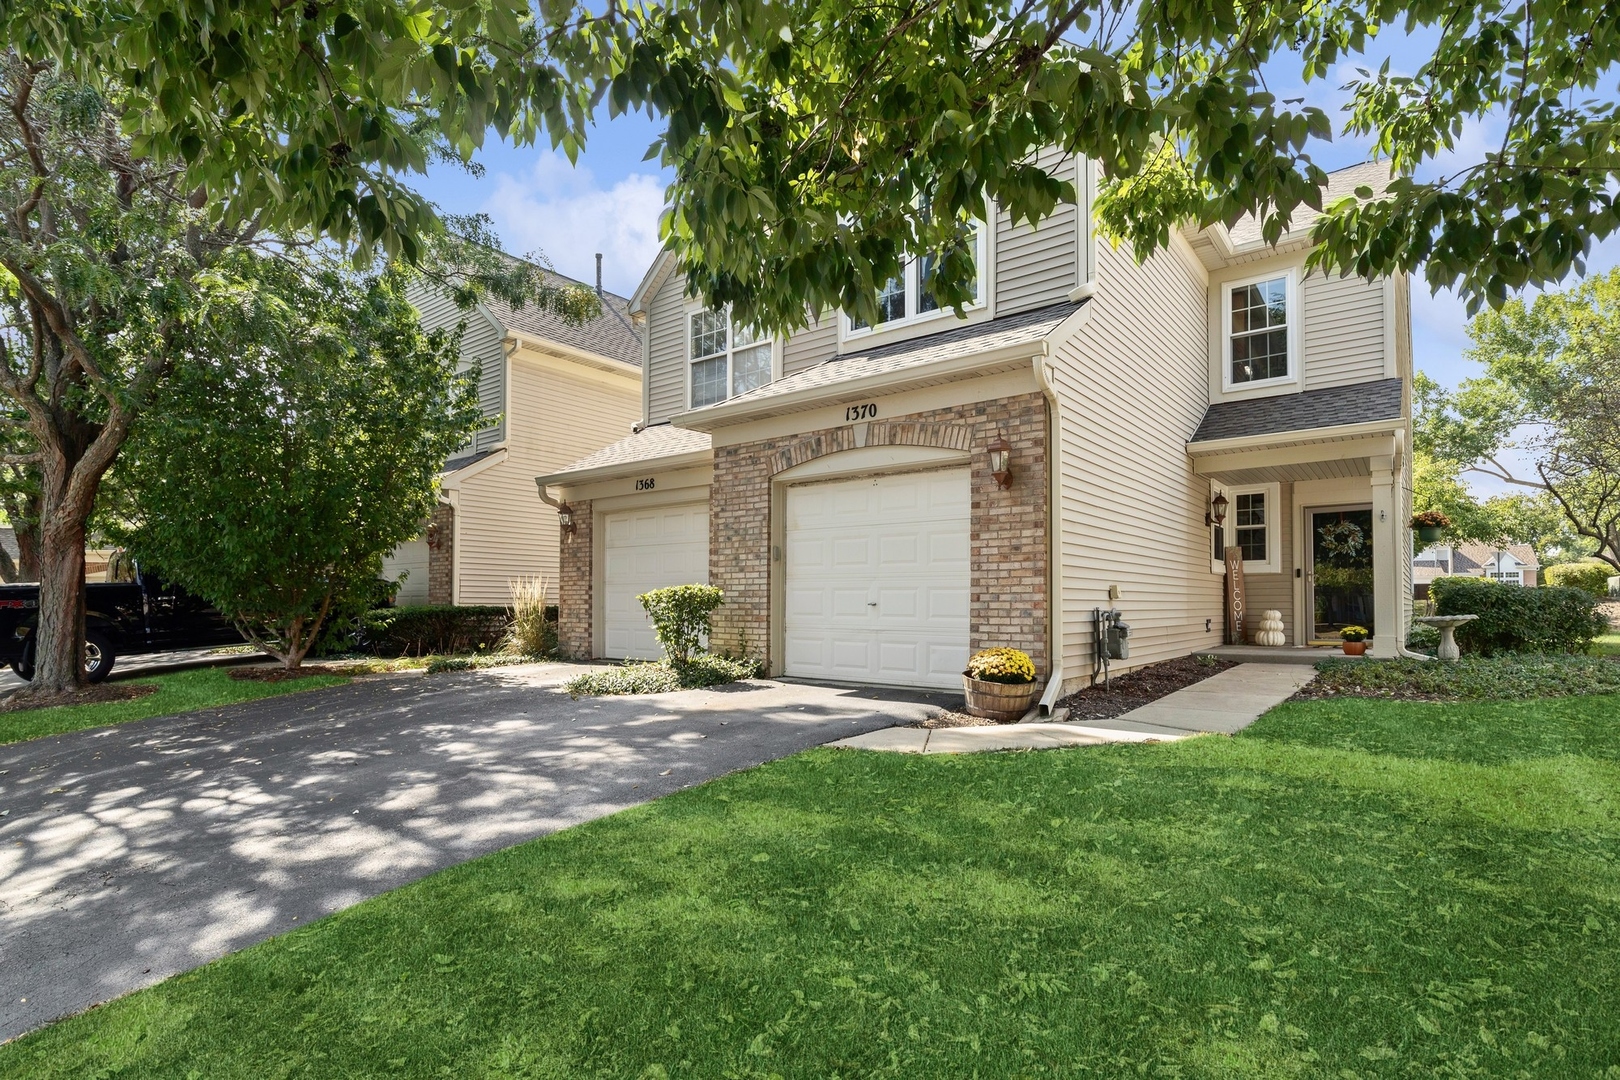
(1387,629)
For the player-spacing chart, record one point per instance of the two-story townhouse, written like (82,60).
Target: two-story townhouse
(877,501)
(550,391)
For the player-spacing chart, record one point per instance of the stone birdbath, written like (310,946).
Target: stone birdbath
(1447,625)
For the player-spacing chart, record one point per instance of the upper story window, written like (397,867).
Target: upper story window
(1261,332)
(906,299)
(725,360)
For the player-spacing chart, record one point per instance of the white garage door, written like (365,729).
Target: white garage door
(642,550)
(877,579)
(408,565)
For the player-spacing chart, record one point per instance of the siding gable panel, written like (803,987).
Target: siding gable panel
(480,347)
(666,350)
(1343,331)
(1037,267)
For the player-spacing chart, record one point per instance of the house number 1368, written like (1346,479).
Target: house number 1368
(861,412)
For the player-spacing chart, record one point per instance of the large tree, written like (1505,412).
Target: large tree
(272,473)
(1545,415)
(816,144)
(103,250)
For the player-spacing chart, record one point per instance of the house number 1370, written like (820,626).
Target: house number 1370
(861,412)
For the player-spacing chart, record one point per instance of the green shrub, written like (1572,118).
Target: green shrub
(1590,576)
(661,676)
(1423,637)
(434,628)
(680,617)
(1513,619)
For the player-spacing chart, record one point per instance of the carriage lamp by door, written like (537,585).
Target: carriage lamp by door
(1001,462)
(1216,514)
(565,518)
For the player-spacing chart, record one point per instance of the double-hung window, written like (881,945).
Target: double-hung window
(906,299)
(725,360)
(1252,515)
(1261,331)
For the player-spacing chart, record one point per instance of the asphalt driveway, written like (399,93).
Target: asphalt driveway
(130,853)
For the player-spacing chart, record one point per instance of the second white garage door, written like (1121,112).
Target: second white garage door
(878,579)
(648,549)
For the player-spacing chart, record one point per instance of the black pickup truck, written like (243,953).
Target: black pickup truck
(122,618)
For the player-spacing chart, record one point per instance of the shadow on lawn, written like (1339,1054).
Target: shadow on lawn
(133,852)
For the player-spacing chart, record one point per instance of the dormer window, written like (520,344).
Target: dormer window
(725,360)
(1262,322)
(906,299)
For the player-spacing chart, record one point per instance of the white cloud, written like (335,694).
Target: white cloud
(560,212)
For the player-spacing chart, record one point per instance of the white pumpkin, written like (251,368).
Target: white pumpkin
(1271,630)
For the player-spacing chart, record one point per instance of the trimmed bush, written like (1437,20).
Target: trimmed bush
(1589,576)
(680,617)
(1513,619)
(429,629)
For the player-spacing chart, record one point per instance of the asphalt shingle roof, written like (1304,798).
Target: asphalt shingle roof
(648,444)
(1328,407)
(1026,327)
(610,334)
(1341,182)
(465,460)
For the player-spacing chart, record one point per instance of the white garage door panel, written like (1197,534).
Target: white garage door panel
(648,549)
(877,579)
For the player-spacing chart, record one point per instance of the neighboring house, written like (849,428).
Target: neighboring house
(1513,564)
(551,392)
(838,484)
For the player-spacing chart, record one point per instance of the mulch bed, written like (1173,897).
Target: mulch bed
(281,674)
(1139,687)
(100,694)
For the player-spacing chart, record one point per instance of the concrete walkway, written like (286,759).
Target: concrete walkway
(1221,704)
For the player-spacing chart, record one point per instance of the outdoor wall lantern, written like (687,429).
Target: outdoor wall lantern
(565,518)
(1216,514)
(1001,462)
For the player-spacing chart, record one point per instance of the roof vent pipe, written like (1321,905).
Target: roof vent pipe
(598,273)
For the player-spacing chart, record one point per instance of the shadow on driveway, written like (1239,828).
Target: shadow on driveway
(130,853)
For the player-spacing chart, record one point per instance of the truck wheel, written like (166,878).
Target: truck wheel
(23,666)
(99,656)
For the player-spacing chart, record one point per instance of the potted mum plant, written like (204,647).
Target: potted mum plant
(1355,640)
(999,684)
(1430,525)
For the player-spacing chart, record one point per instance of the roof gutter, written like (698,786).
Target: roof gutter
(713,417)
(627,468)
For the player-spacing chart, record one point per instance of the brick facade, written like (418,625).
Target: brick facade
(1009,528)
(574,629)
(441,538)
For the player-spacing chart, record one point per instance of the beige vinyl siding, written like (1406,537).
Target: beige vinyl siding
(815,344)
(1343,330)
(1132,386)
(1275,590)
(480,347)
(666,350)
(503,530)
(1038,267)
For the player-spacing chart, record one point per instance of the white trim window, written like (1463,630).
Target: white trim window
(1507,577)
(905,299)
(723,360)
(1252,517)
(1262,331)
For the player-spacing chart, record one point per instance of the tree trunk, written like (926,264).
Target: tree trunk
(59,639)
(28,553)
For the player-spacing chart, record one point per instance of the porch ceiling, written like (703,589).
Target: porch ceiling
(1332,458)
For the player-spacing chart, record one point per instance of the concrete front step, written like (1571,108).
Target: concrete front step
(1308,656)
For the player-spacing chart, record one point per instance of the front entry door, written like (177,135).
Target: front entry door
(1340,577)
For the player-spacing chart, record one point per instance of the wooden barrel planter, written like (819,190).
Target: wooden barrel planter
(1001,702)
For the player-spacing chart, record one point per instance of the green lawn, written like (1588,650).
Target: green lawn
(1350,889)
(1607,645)
(183,691)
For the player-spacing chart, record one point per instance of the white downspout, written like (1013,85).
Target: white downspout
(1054,539)
(1404,543)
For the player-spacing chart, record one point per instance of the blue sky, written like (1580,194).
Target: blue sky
(611,200)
